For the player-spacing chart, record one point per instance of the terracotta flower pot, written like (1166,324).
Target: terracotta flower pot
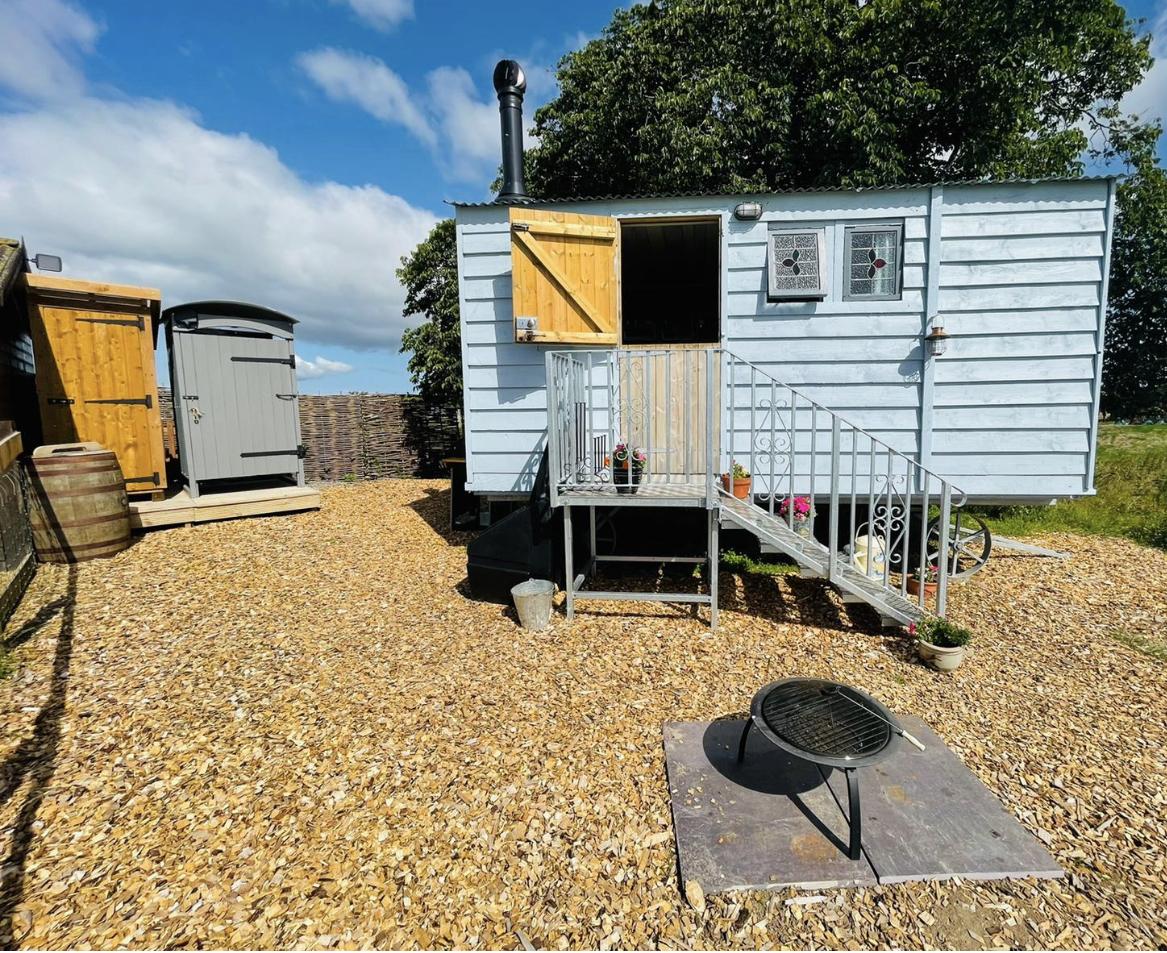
(941,657)
(930,588)
(741,486)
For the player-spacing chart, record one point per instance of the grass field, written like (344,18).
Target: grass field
(1131,476)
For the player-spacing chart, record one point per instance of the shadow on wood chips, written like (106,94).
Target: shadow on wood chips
(30,767)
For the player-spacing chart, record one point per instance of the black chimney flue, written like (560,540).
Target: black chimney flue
(510,83)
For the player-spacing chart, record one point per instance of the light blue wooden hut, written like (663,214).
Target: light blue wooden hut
(891,354)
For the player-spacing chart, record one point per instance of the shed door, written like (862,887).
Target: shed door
(95,381)
(563,269)
(239,394)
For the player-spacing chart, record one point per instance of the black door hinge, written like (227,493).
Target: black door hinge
(61,400)
(290,361)
(146,401)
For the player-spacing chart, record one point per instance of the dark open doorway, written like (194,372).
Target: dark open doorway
(670,282)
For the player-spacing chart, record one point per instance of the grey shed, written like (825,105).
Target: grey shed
(236,408)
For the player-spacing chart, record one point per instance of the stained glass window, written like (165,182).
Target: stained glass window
(874,262)
(797,263)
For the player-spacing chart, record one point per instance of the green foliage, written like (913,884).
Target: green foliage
(740,472)
(736,562)
(1152,648)
(691,95)
(942,633)
(1134,385)
(1131,478)
(430,279)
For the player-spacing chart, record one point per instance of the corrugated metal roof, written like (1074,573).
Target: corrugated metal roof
(628,196)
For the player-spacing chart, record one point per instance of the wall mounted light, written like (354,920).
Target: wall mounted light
(937,339)
(748,211)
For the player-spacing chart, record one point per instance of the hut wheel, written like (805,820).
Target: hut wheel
(969,544)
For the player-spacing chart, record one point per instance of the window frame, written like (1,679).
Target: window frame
(778,295)
(897,228)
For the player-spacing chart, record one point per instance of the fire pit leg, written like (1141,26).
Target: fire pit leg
(741,747)
(856,814)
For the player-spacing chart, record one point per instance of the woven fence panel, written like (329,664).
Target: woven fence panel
(364,436)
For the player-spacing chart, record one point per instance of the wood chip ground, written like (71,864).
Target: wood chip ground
(298,732)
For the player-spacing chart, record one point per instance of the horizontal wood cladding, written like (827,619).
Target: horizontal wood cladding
(1020,284)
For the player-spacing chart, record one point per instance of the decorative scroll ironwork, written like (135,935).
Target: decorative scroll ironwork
(799,454)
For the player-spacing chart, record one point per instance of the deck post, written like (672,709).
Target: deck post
(714,533)
(833,527)
(569,569)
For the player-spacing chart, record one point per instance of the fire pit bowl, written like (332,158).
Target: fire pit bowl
(828,724)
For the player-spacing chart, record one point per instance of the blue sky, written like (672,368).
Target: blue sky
(286,152)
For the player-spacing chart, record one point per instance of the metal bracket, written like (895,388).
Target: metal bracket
(147,401)
(61,400)
(127,322)
(520,227)
(290,361)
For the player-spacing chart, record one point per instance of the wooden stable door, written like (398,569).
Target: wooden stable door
(95,372)
(564,277)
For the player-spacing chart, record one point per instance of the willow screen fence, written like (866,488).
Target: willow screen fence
(365,436)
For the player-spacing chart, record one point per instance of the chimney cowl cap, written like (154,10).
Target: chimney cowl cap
(509,77)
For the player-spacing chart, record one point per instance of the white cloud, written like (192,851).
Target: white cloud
(41,43)
(449,117)
(1149,99)
(381,14)
(469,126)
(141,192)
(310,370)
(353,77)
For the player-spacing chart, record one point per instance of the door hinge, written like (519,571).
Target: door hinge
(520,227)
(147,401)
(61,400)
(290,361)
(301,451)
(127,322)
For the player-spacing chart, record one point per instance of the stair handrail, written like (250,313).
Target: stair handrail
(917,482)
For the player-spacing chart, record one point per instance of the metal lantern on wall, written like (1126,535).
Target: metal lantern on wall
(937,339)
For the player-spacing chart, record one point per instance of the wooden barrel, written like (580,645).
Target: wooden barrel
(78,505)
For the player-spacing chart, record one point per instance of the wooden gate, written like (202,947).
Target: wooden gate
(94,347)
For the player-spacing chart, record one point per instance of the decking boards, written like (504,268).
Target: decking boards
(181,510)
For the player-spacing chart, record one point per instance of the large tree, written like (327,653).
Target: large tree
(430,278)
(735,95)
(1134,382)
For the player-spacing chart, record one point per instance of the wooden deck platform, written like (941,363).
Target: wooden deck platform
(677,493)
(181,510)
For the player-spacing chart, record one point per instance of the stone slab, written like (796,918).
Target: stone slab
(928,817)
(771,823)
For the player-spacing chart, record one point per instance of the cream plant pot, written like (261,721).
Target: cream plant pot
(941,658)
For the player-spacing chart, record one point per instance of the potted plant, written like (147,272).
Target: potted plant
(627,467)
(930,581)
(803,510)
(942,644)
(741,482)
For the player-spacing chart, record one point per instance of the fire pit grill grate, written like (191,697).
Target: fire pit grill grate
(825,720)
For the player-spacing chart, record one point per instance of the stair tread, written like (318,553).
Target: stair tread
(813,554)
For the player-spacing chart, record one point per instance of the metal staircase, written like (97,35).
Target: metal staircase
(692,415)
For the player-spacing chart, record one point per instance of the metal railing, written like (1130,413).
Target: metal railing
(897,514)
(633,416)
(681,418)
